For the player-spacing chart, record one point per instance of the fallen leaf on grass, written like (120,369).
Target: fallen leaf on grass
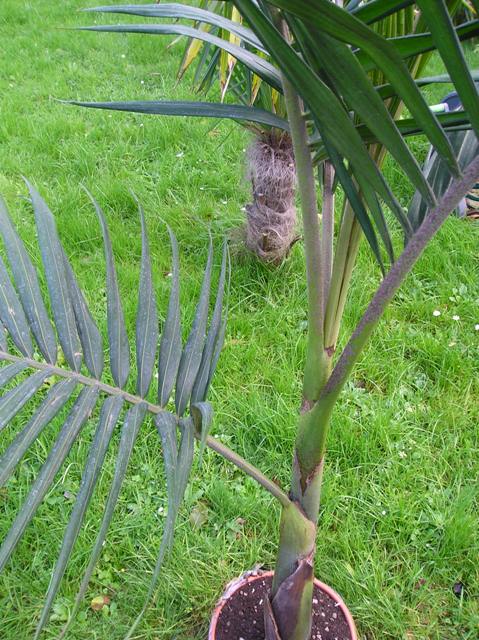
(199,515)
(99,602)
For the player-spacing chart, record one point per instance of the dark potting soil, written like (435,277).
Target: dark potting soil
(242,616)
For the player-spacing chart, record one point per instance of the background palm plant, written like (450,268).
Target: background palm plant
(342,115)
(271,217)
(220,42)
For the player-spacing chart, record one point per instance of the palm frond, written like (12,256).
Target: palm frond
(26,352)
(180,11)
(466,146)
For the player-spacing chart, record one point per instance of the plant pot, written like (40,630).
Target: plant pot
(239,612)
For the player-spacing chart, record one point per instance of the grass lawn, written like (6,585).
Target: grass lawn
(399,518)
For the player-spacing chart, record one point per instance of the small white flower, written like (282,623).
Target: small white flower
(436,313)
(142,82)
(123,55)
(476,327)
(180,154)
(402,454)
(383,513)
(141,124)
(456,318)
(224,202)
(452,344)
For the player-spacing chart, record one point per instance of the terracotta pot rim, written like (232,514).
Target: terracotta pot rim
(236,584)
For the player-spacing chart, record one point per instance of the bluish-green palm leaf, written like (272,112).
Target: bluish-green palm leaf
(177,10)
(29,333)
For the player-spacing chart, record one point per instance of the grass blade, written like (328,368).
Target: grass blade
(192,353)
(146,319)
(170,346)
(90,337)
(131,425)
(108,420)
(55,400)
(117,336)
(12,401)
(12,314)
(26,279)
(78,416)
(51,250)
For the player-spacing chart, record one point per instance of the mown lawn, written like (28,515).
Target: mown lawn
(399,517)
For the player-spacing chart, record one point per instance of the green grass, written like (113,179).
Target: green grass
(399,516)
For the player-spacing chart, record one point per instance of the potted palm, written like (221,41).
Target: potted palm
(338,115)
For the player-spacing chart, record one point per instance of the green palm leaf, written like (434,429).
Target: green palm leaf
(326,16)
(108,419)
(466,146)
(118,339)
(55,400)
(376,10)
(54,266)
(446,40)
(12,314)
(146,319)
(80,338)
(193,109)
(28,288)
(415,44)
(176,10)
(190,361)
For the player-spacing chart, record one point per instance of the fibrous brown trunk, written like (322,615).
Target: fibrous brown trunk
(271,217)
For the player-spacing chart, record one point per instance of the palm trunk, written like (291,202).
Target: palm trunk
(271,217)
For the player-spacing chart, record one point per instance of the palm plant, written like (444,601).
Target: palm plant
(218,43)
(271,221)
(271,218)
(340,116)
